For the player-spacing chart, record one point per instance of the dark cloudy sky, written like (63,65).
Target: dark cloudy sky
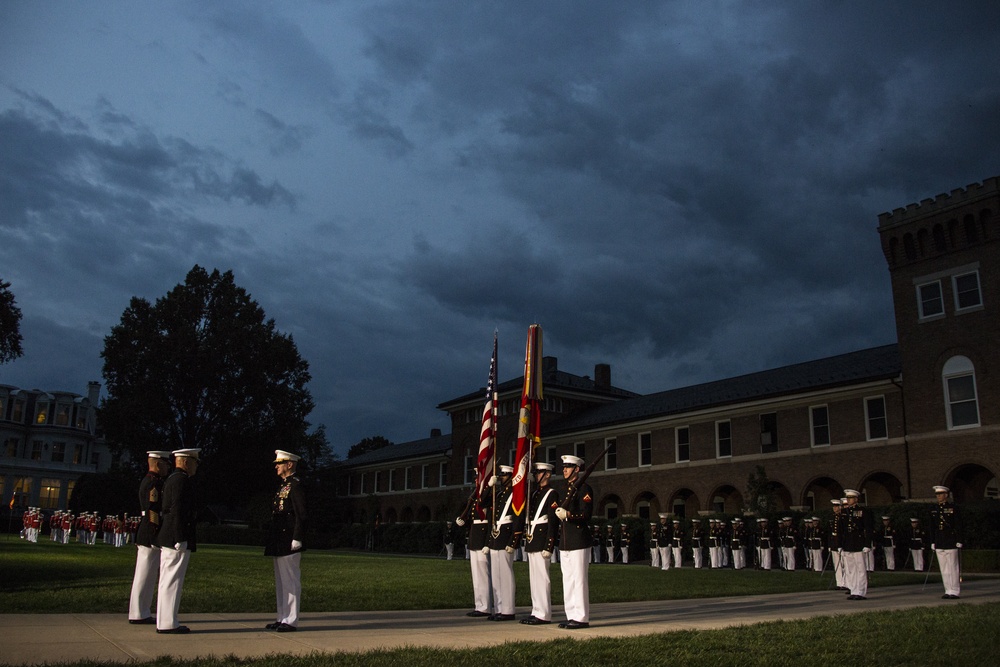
(684,190)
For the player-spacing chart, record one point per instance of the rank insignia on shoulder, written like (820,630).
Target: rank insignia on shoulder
(587,498)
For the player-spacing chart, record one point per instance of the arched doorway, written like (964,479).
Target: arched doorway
(684,503)
(881,488)
(646,505)
(609,507)
(819,492)
(972,482)
(727,500)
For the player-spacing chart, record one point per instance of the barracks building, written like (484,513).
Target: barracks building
(890,421)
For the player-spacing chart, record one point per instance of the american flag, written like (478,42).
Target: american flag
(487,436)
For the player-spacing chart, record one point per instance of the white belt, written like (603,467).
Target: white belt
(544,519)
(504,521)
(479,521)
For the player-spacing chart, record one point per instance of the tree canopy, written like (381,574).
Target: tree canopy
(10,325)
(367,445)
(202,367)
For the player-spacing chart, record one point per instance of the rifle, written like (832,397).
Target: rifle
(581,478)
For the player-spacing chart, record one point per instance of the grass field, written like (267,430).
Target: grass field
(49,578)
(56,578)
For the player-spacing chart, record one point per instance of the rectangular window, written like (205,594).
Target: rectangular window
(362,489)
(62,415)
(819,421)
(36,450)
(723,439)
(95,459)
(406,479)
(81,418)
(580,449)
(929,300)
(645,449)
(683,435)
(392,479)
(425,471)
(17,414)
(11,447)
(550,454)
(443,474)
(22,492)
(41,413)
(963,407)
(611,457)
(58,452)
(966,288)
(376,481)
(70,487)
(768,433)
(48,495)
(470,470)
(875,415)
(78,454)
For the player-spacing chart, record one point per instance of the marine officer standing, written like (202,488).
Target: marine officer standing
(286,541)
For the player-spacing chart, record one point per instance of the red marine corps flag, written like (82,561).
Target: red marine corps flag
(487,436)
(528,428)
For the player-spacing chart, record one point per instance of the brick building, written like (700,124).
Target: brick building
(890,421)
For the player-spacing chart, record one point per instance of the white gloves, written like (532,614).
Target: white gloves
(492,482)
(840,550)
(933,547)
(459,522)
(296,545)
(486,550)
(865,550)
(546,554)
(561,513)
(181,546)
(958,545)
(509,550)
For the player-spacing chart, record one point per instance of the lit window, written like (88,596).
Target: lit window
(962,404)
(48,494)
(929,300)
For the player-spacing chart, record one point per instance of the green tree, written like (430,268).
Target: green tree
(10,325)
(368,445)
(202,367)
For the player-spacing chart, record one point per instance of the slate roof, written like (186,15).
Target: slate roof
(550,380)
(437,444)
(877,363)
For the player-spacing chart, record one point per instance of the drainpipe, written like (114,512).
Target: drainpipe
(906,441)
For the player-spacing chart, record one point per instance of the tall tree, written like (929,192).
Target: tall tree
(10,325)
(202,367)
(760,493)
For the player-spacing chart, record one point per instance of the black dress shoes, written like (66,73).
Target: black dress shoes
(284,627)
(272,626)
(478,614)
(179,630)
(149,620)
(502,617)
(531,620)
(574,625)
(948,596)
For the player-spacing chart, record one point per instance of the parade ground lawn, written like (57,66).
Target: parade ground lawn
(72,578)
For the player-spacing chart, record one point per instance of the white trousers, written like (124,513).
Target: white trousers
(147,566)
(890,557)
(541,586)
(502,570)
(664,558)
(739,558)
(838,567)
(870,560)
(715,556)
(677,556)
(288,588)
(817,559)
(855,573)
(173,567)
(611,554)
(654,557)
(764,557)
(697,555)
(789,553)
(950,575)
(450,550)
(576,585)
(480,564)
(918,559)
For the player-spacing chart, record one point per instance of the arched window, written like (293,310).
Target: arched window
(961,401)
(971,236)
(909,247)
(940,244)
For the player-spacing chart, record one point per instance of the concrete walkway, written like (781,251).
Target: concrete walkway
(48,638)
